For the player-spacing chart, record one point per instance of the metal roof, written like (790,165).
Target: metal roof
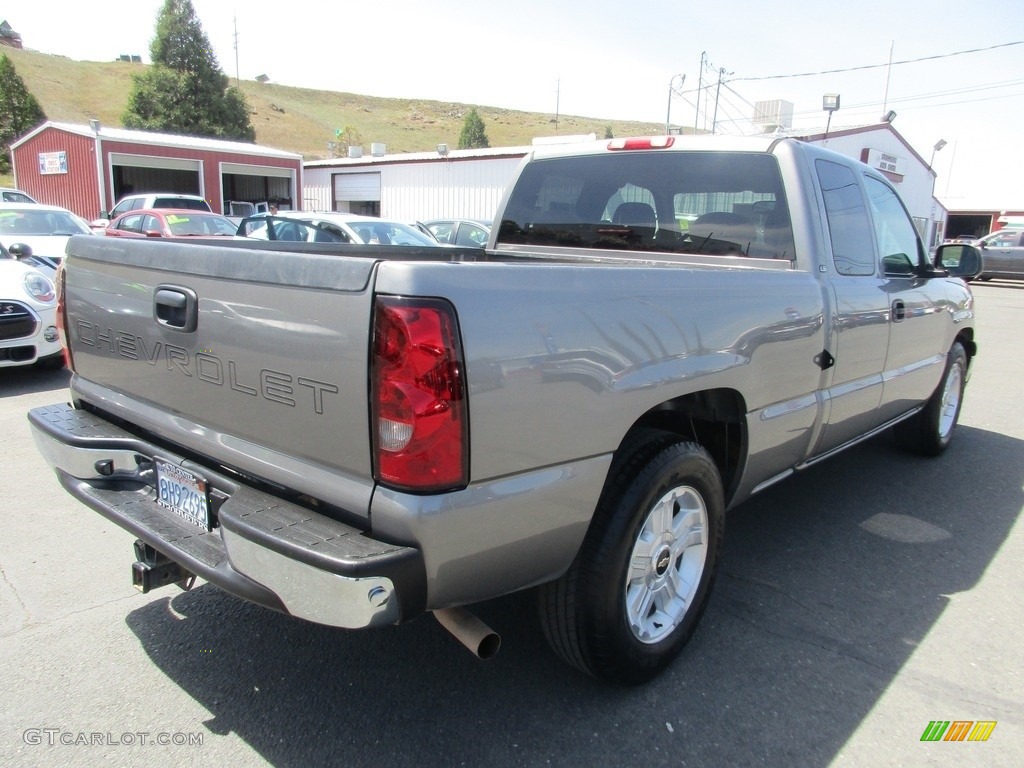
(161,139)
(419,157)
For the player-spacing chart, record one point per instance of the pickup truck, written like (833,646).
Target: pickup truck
(359,435)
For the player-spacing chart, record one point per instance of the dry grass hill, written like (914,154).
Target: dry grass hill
(300,119)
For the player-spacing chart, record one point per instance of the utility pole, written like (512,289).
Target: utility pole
(714,120)
(700,87)
(558,96)
(888,75)
(668,113)
(237,79)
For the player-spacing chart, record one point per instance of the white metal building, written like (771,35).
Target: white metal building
(416,186)
(469,183)
(883,148)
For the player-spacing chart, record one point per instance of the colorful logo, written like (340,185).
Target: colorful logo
(959,730)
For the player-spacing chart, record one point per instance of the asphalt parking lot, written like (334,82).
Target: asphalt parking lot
(857,603)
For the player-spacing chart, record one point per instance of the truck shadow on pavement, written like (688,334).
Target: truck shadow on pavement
(828,583)
(29,379)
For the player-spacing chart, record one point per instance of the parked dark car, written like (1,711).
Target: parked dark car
(1002,254)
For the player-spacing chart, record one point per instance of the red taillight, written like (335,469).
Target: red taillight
(643,142)
(418,399)
(62,316)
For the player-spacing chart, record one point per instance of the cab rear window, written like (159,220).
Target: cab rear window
(715,203)
(182,203)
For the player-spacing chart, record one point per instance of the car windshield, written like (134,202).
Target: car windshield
(13,196)
(195,225)
(36,223)
(390,233)
(181,202)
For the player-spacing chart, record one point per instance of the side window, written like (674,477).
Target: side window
(1005,240)
(443,232)
(132,223)
(895,233)
(472,236)
(849,226)
(330,233)
(124,205)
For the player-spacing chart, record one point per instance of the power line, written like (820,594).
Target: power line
(729,119)
(879,66)
(904,101)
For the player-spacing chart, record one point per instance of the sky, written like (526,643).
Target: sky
(949,73)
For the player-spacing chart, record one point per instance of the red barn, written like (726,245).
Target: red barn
(88,168)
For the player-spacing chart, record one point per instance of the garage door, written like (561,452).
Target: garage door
(135,174)
(357,186)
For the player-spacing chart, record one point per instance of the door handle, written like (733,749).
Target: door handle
(176,308)
(899,311)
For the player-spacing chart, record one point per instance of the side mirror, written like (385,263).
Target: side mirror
(959,260)
(20,250)
(154,233)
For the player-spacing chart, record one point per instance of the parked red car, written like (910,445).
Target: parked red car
(170,222)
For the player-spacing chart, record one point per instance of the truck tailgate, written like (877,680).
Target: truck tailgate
(259,363)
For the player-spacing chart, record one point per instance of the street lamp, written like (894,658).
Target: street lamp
(829,103)
(668,113)
(938,145)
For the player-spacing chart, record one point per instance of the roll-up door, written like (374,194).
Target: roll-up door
(357,186)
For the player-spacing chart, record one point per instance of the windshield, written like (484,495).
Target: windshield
(389,233)
(40,223)
(186,225)
(13,196)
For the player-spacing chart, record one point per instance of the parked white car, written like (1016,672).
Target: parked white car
(45,229)
(28,315)
(331,227)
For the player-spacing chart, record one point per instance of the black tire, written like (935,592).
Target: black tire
(626,625)
(930,431)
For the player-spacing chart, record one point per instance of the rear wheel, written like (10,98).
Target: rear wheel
(930,431)
(633,596)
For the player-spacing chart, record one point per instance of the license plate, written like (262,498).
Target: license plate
(183,492)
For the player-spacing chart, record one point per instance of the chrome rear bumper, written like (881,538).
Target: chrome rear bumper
(261,548)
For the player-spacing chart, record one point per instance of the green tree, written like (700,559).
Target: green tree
(344,138)
(19,111)
(473,135)
(185,91)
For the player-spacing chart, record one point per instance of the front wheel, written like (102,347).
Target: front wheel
(633,596)
(930,431)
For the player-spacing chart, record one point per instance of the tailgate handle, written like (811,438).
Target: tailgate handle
(176,308)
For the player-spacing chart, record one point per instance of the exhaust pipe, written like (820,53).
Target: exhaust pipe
(482,641)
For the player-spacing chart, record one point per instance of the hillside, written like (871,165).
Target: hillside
(299,119)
